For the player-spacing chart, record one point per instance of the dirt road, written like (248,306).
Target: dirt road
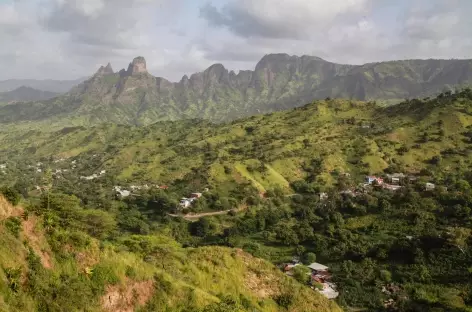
(196,216)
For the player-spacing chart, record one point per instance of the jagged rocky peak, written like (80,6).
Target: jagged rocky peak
(216,73)
(105,70)
(184,81)
(137,66)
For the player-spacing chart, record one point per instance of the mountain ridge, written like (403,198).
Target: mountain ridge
(51,85)
(26,94)
(278,82)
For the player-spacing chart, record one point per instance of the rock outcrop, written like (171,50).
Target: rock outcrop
(105,70)
(137,66)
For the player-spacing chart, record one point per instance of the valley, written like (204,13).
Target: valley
(280,186)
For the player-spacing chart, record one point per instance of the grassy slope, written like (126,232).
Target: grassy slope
(172,277)
(266,150)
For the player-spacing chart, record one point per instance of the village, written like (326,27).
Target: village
(391,182)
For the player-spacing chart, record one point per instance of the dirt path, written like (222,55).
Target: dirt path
(196,216)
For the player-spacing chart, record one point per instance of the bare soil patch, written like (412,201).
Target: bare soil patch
(37,241)
(127,297)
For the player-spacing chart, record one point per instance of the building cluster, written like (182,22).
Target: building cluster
(320,278)
(392,182)
(93,176)
(122,192)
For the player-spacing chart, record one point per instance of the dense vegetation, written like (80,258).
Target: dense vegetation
(58,256)
(412,246)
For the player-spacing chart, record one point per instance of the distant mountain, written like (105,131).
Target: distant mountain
(278,82)
(57,86)
(26,94)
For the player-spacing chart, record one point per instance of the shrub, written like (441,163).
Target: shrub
(13,278)
(103,275)
(11,195)
(13,224)
(130,272)
(386,276)
(284,300)
(436,160)
(300,273)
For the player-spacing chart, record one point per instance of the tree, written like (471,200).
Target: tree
(11,195)
(47,182)
(309,258)
(22,186)
(286,235)
(98,223)
(201,228)
(459,236)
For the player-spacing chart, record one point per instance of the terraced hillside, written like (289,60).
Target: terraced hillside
(320,140)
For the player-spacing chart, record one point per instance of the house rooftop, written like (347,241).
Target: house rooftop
(318,267)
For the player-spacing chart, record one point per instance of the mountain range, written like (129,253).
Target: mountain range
(51,85)
(279,81)
(25,94)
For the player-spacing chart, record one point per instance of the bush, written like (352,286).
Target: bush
(301,274)
(252,248)
(130,272)
(103,275)
(436,160)
(386,276)
(11,195)
(13,278)
(284,300)
(13,224)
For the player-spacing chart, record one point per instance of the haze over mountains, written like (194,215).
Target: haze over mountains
(25,94)
(278,82)
(57,86)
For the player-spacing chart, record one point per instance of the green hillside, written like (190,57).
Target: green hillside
(318,141)
(261,179)
(61,257)
(278,82)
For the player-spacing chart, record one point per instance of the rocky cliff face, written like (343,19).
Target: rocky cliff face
(137,66)
(105,70)
(279,81)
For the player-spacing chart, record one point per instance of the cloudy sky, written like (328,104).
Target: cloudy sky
(67,39)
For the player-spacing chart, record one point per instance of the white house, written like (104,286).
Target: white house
(185,202)
(3,166)
(430,186)
(121,192)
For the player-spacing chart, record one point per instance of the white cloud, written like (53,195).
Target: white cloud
(281,19)
(72,38)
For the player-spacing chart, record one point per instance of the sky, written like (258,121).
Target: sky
(68,39)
